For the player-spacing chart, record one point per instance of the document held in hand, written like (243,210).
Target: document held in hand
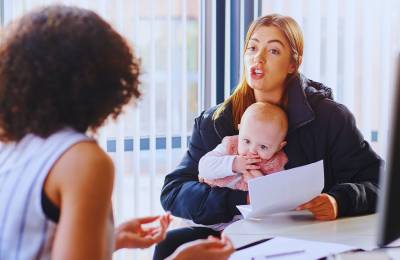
(283,191)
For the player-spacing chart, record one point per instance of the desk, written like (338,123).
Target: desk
(354,231)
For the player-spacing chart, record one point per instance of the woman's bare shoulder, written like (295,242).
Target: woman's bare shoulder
(83,168)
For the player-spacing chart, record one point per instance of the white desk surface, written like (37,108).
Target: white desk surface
(355,231)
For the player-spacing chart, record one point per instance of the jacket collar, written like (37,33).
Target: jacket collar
(299,111)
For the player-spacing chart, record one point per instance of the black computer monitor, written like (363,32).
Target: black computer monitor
(389,196)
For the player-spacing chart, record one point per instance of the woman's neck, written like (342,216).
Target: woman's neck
(274,97)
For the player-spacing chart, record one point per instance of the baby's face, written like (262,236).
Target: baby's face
(260,138)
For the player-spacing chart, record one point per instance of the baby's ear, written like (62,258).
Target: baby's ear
(281,145)
(238,126)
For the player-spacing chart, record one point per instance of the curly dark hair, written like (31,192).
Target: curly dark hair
(62,67)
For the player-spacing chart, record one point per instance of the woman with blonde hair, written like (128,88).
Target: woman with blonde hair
(319,129)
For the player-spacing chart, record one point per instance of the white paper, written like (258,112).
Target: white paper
(283,191)
(290,248)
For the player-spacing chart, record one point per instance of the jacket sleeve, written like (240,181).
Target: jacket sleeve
(184,196)
(354,164)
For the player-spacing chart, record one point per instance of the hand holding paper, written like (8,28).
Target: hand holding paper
(283,191)
(324,207)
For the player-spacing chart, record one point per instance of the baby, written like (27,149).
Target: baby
(256,151)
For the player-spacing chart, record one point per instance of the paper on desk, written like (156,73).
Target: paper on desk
(283,191)
(290,248)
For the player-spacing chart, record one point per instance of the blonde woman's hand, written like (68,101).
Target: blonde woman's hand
(211,249)
(323,207)
(133,234)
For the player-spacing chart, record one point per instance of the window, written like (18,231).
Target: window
(350,46)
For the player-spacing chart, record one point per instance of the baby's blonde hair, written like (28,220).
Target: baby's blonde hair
(266,112)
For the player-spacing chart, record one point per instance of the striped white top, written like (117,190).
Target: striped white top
(25,231)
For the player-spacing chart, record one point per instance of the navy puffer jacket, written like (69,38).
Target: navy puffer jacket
(319,128)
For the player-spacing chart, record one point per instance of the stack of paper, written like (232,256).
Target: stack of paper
(288,248)
(283,191)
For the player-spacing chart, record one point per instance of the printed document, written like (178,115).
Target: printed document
(283,191)
(288,248)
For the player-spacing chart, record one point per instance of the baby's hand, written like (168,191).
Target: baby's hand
(251,174)
(244,163)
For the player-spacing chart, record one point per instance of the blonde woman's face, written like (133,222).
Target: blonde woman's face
(267,60)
